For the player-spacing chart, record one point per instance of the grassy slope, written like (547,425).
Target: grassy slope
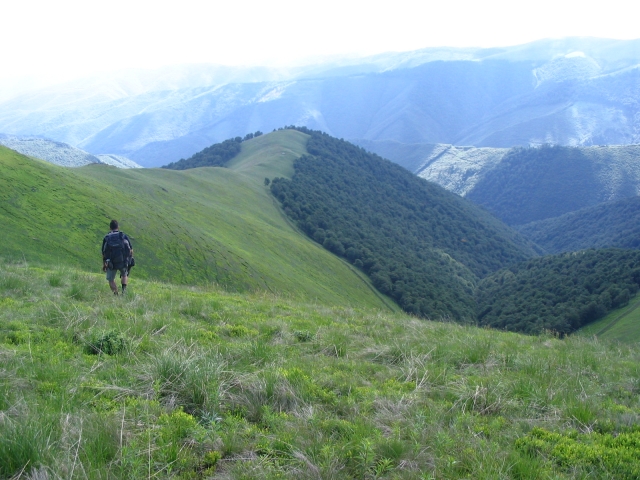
(621,325)
(270,155)
(207,225)
(206,384)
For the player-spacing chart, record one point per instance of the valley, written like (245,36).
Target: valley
(243,347)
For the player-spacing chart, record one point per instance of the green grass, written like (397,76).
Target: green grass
(622,325)
(197,382)
(203,226)
(269,156)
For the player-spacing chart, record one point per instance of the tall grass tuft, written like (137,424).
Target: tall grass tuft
(26,443)
(183,377)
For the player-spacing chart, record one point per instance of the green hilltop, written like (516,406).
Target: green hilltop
(200,226)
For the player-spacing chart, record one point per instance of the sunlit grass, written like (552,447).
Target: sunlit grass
(185,382)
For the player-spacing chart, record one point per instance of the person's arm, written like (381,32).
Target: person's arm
(130,244)
(104,260)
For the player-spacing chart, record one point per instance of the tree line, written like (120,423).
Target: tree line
(216,155)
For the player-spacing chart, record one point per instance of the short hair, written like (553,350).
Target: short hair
(113,225)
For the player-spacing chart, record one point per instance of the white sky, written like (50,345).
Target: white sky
(60,39)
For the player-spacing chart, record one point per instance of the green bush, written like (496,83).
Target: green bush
(110,343)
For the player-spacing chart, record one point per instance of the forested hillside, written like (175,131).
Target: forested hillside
(531,184)
(421,245)
(611,224)
(560,293)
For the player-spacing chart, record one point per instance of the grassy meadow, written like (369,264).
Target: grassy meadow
(202,226)
(190,382)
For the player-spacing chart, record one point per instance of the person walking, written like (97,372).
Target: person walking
(117,256)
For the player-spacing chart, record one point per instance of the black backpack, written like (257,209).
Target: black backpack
(116,250)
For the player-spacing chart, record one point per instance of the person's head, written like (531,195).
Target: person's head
(113,225)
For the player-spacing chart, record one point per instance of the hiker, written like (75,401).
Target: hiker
(117,255)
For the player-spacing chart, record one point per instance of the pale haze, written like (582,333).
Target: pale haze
(46,42)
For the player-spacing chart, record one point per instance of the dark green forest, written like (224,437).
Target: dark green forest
(217,155)
(423,246)
(613,224)
(532,184)
(560,293)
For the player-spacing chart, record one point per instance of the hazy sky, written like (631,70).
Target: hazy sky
(58,39)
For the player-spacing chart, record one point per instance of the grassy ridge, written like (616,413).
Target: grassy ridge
(200,226)
(184,382)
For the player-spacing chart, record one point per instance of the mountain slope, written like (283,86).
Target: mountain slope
(619,326)
(611,224)
(200,226)
(456,168)
(422,245)
(61,153)
(531,184)
(117,161)
(576,91)
(53,152)
(560,293)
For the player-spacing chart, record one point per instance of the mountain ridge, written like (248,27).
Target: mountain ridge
(543,92)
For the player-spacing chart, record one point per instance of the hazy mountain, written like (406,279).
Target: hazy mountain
(53,152)
(61,153)
(531,184)
(577,91)
(117,161)
(524,185)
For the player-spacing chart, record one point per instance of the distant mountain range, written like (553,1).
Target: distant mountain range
(523,185)
(455,168)
(61,153)
(576,91)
